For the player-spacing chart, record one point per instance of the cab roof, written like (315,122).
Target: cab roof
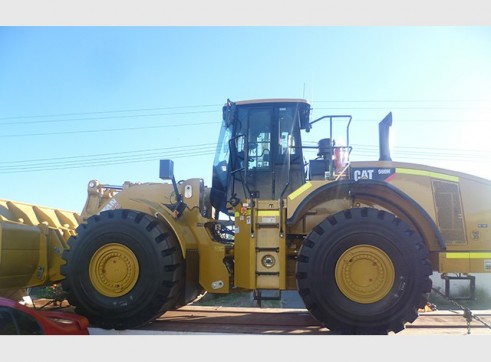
(272,100)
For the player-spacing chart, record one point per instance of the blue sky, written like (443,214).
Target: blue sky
(106,103)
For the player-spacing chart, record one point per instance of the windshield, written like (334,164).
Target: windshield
(222,154)
(218,195)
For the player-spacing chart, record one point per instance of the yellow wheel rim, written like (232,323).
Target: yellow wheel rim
(113,270)
(364,274)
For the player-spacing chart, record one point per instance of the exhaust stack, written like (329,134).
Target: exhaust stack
(383,134)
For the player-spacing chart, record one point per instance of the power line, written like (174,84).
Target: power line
(100,162)
(218,106)
(42,134)
(138,156)
(106,112)
(407,108)
(403,101)
(96,156)
(101,118)
(102,130)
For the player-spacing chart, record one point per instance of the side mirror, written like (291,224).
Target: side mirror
(229,111)
(304,119)
(166,169)
(167,173)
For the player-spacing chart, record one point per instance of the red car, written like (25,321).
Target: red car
(16,319)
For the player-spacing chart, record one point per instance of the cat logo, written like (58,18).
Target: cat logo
(363,174)
(383,174)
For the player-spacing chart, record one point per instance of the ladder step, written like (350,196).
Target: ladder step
(258,295)
(276,250)
(267,225)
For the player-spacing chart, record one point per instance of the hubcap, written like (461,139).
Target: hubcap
(113,270)
(364,274)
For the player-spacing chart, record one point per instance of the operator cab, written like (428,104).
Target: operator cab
(260,153)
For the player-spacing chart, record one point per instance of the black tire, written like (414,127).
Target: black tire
(123,269)
(363,271)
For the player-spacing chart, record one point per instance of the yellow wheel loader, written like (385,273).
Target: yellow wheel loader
(359,241)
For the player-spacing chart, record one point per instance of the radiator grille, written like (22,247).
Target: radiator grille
(449,211)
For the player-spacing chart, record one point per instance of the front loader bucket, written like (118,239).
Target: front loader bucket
(32,239)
